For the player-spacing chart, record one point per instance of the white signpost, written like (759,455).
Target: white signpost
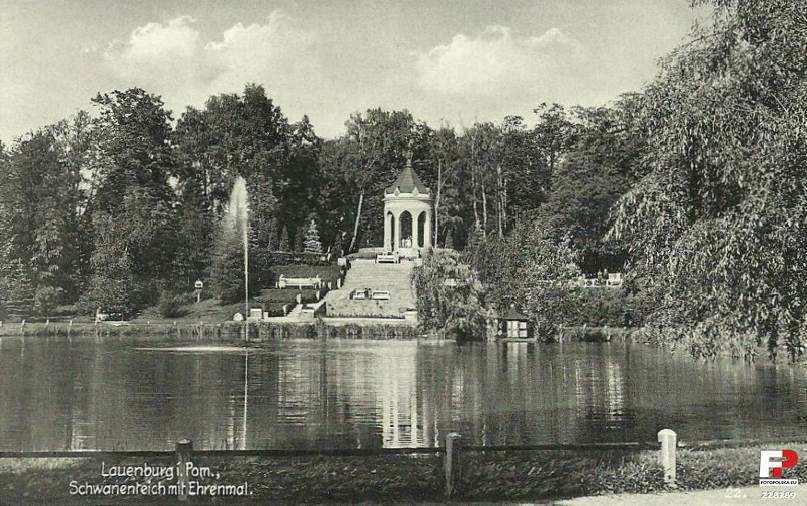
(198,286)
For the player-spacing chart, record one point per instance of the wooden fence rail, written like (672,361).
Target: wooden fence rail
(371,452)
(452,453)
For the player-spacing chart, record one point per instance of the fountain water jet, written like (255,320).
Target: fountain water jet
(236,218)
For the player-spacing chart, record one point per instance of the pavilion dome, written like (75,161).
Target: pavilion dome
(408,181)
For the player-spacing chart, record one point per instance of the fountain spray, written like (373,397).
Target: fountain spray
(238,215)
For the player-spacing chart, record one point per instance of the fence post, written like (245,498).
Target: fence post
(184,448)
(452,463)
(668,440)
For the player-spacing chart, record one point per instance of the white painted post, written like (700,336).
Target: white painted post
(452,463)
(184,447)
(668,440)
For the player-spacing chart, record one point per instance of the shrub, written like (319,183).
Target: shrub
(169,304)
(46,298)
(453,307)
(597,307)
(227,277)
(186,298)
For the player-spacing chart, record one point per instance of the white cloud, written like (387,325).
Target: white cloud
(276,52)
(172,58)
(496,62)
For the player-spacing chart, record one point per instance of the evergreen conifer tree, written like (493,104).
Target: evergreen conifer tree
(311,242)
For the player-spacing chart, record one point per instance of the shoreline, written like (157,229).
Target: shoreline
(495,476)
(275,328)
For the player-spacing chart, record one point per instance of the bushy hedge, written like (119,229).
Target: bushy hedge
(328,272)
(287,295)
(597,307)
(170,304)
(123,304)
(275,308)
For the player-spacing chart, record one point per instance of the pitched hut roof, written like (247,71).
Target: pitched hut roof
(514,314)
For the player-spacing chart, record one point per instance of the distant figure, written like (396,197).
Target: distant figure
(238,317)
(99,316)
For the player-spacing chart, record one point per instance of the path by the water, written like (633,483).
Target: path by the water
(730,496)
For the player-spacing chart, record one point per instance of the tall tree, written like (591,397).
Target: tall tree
(379,141)
(133,198)
(602,163)
(445,168)
(720,214)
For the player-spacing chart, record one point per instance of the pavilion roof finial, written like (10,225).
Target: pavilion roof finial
(408,180)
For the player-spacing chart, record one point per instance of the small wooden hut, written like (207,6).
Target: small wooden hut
(515,325)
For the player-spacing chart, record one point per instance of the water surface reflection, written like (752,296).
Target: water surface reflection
(359,394)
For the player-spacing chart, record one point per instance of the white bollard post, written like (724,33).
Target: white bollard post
(668,440)
(184,448)
(452,464)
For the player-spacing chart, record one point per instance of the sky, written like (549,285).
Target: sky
(447,61)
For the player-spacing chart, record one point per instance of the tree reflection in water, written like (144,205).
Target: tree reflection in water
(299,394)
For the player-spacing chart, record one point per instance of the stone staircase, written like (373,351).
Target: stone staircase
(367,274)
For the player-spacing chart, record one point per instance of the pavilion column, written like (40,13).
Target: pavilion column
(415,228)
(427,226)
(387,230)
(397,232)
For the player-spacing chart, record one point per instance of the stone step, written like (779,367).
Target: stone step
(367,274)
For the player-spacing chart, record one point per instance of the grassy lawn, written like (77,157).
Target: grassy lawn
(485,476)
(211,310)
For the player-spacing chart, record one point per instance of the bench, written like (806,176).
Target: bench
(285,282)
(391,258)
(380,295)
(360,294)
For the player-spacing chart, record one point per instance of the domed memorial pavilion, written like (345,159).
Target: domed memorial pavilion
(407,215)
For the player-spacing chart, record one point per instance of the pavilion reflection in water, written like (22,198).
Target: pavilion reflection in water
(348,394)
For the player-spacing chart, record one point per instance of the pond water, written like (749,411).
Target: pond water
(360,394)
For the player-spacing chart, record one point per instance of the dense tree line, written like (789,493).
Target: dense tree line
(693,185)
(697,183)
(716,224)
(112,208)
